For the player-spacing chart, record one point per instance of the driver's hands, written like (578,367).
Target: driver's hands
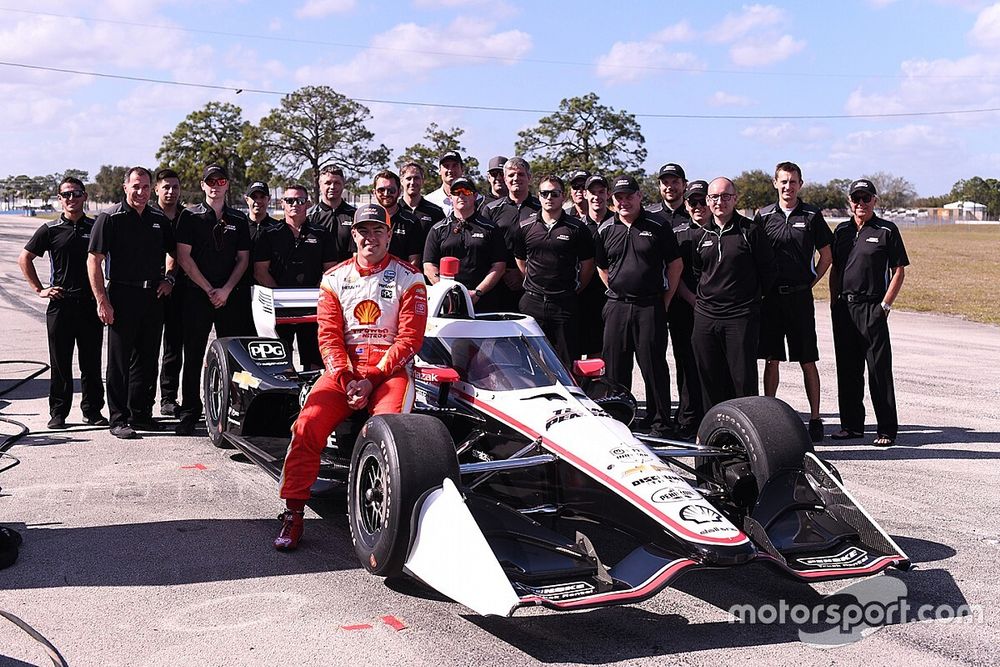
(358,392)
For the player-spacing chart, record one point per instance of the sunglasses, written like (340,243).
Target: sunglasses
(72,194)
(863,198)
(696,202)
(216,182)
(294,201)
(385,191)
(464,192)
(545,194)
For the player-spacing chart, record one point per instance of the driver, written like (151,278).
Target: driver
(371,314)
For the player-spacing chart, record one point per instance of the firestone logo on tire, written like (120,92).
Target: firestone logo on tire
(367,312)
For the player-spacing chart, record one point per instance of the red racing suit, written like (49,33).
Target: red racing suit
(371,324)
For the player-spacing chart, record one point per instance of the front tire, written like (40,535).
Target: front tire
(216,382)
(396,460)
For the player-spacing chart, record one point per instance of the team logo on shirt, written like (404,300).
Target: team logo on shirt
(563,237)
(367,312)
(645,233)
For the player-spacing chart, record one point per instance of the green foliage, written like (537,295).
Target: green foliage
(258,162)
(437,142)
(894,192)
(316,125)
(754,189)
(584,134)
(108,183)
(832,195)
(936,201)
(210,135)
(984,191)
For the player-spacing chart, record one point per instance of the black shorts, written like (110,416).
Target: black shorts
(790,316)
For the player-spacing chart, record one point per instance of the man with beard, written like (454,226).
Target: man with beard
(407,241)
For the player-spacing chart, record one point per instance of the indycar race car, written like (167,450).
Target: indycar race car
(517,482)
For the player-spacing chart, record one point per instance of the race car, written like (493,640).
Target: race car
(517,482)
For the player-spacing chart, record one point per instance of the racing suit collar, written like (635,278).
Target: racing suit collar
(362,271)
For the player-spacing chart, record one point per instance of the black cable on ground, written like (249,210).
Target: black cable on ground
(9,440)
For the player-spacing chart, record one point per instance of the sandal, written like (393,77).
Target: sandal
(882,440)
(846,434)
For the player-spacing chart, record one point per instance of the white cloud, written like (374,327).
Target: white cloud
(750,20)
(904,146)
(785,133)
(723,99)
(986,31)
(765,51)
(679,32)
(317,9)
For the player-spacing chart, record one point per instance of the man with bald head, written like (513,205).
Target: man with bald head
(733,264)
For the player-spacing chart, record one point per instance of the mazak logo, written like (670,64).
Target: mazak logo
(266,350)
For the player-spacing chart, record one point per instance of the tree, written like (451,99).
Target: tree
(439,142)
(210,135)
(76,173)
(754,189)
(316,125)
(258,163)
(893,191)
(109,181)
(584,134)
(936,201)
(982,191)
(824,196)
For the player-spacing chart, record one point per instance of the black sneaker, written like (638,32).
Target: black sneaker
(96,420)
(124,431)
(816,430)
(184,428)
(168,409)
(146,424)
(57,423)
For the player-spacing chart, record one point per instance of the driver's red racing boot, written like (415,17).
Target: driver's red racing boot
(291,530)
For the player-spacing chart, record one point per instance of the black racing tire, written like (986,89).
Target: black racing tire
(765,431)
(216,383)
(396,460)
(612,397)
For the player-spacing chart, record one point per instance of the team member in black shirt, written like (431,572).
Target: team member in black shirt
(734,264)
(71,315)
(414,203)
(407,240)
(494,176)
(332,212)
(507,214)
(673,184)
(867,250)
(477,243)
(167,186)
(555,252)
(681,312)
(797,232)
(213,248)
(134,237)
(295,254)
(577,205)
(637,259)
(593,297)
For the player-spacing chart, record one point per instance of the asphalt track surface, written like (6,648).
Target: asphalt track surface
(157,551)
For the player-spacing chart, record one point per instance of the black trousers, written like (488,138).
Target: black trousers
(725,351)
(861,338)
(136,330)
(306,334)
(689,400)
(72,322)
(640,329)
(592,301)
(173,343)
(199,318)
(557,317)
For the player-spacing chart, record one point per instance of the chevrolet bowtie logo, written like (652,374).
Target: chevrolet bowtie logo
(244,380)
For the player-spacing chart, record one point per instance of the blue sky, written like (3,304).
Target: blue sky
(691,58)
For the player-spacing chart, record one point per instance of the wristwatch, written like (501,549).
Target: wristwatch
(169,279)
(886,307)
(478,292)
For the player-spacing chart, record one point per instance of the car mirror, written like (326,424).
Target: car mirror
(443,375)
(588,368)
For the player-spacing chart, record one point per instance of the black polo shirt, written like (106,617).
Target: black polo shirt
(214,243)
(407,238)
(337,221)
(476,242)
(552,253)
(734,267)
(864,257)
(133,242)
(795,240)
(673,218)
(295,261)
(636,256)
(258,228)
(687,234)
(67,243)
(427,213)
(506,215)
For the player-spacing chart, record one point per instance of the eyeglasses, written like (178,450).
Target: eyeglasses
(696,202)
(464,192)
(72,194)
(725,196)
(216,182)
(294,201)
(545,194)
(863,198)
(385,191)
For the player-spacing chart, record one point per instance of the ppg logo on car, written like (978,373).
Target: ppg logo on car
(265,351)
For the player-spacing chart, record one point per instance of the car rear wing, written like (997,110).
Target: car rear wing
(282,305)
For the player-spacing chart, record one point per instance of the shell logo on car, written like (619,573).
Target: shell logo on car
(367,312)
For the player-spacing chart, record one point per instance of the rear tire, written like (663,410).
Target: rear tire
(216,383)
(396,460)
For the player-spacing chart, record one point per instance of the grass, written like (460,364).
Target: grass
(954,269)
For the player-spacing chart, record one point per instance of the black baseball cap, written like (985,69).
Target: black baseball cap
(214,171)
(863,185)
(596,179)
(371,213)
(451,155)
(672,169)
(696,189)
(578,175)
(496,163)
(625,184)
(257,186)
(463,182)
